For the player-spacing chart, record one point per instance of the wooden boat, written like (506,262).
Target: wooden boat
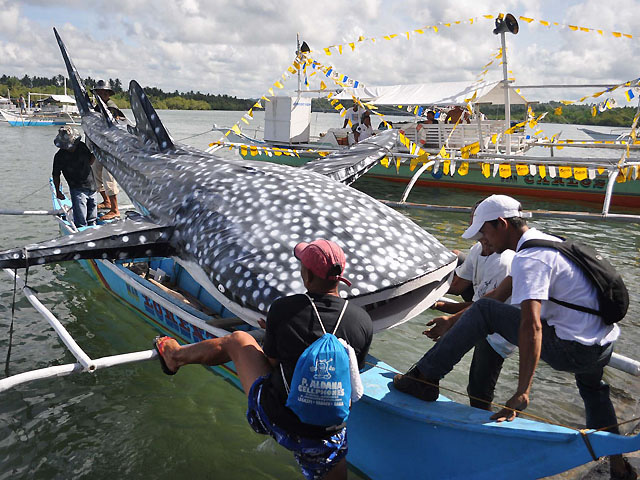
(52,110)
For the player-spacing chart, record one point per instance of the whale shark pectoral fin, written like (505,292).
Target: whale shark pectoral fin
(348,165)
(82,97)
(106,114)
(118,241)
(148,123)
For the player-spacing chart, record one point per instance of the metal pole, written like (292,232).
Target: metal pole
(613,175)
(505,83)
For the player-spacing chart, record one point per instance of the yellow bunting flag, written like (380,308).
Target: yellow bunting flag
(542,171)
(323,86)
(243,150)
(580,173)
(463,169)
(385,162)
(443,153)
(594,111)
(413,164)
(565,172)
(245,120)
(505,170)
(486,169)
(254,150)
(236,129)
(522,169)
(327,51)
(558,111)
(445,166)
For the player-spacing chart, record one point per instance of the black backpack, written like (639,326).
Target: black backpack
(612,292)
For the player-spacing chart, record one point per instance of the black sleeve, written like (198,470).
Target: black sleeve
(269,343)
(56,165)
(365,350)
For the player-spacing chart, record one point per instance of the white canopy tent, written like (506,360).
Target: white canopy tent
(63,99)
(439,93)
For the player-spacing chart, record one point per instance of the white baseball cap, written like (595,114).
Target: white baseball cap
(492,208)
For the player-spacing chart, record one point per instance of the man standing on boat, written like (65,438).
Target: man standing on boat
(293,324)
(353,115)
(566,339)
(74,161)
(106,184)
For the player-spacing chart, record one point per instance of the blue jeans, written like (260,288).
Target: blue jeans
(85,208)
(488,316)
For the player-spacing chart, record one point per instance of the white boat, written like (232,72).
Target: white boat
(50,110)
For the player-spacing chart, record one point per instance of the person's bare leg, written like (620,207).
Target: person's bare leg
(339,472)
(239,347)
(113,201)
(105,200)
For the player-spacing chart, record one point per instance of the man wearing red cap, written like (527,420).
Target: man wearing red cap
(265,373)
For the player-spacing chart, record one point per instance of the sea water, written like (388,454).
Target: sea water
(134,422)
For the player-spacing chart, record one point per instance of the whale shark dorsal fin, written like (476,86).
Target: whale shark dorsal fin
(147,121)
(82,97)
(106,114)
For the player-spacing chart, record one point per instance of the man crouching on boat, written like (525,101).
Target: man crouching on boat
(567,339)
(293,324)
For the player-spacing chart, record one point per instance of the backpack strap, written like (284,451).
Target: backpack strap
(344,308)
(540,243)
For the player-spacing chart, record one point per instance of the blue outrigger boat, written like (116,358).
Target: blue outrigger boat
(392,435)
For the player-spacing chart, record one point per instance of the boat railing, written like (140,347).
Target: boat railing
(435,136)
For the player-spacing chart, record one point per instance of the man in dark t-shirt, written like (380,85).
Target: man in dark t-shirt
(74,161)
(291,327)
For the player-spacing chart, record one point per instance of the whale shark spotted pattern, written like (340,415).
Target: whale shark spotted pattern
(237,221)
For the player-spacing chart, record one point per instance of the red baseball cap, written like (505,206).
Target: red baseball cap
(324,258)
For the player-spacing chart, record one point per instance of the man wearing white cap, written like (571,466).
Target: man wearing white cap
(565,338)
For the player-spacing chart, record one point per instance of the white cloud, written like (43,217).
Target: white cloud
(241,47)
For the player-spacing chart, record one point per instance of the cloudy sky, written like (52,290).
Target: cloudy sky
(241,47)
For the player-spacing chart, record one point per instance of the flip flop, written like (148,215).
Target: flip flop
(104,206)
(158,344)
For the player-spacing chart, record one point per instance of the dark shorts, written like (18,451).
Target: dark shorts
(316,456)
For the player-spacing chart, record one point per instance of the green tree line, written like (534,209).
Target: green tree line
(14,86)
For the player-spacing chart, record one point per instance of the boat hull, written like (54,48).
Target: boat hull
(17,120)
(625,194)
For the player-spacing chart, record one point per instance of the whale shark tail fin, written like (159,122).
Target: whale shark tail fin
(148,123)
(346,166)
(127,239)
(82,97)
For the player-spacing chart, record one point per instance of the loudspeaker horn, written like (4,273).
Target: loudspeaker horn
(506,24)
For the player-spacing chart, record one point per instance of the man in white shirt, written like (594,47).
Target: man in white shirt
(484,270)
(354,115)
(566,339)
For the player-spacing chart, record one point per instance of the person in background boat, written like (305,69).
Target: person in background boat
(74,161)
(431,118)
(483,270)
(106,184)
(364,130)
(291,327)
(22,105)
(454,114)
(354,114)
(566,339)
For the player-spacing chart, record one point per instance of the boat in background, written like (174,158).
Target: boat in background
(50,110)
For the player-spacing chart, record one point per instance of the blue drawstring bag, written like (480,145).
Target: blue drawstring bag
(320,390)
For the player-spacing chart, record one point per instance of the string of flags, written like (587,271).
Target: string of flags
(443,26)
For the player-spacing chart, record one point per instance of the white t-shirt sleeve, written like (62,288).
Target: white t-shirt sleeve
(531,279)
(467,269)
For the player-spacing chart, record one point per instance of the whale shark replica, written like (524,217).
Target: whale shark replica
(232,224)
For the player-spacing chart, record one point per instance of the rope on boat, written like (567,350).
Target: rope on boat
(35,191)
(13,311)
(585,436)
(583,432)
(196,135)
